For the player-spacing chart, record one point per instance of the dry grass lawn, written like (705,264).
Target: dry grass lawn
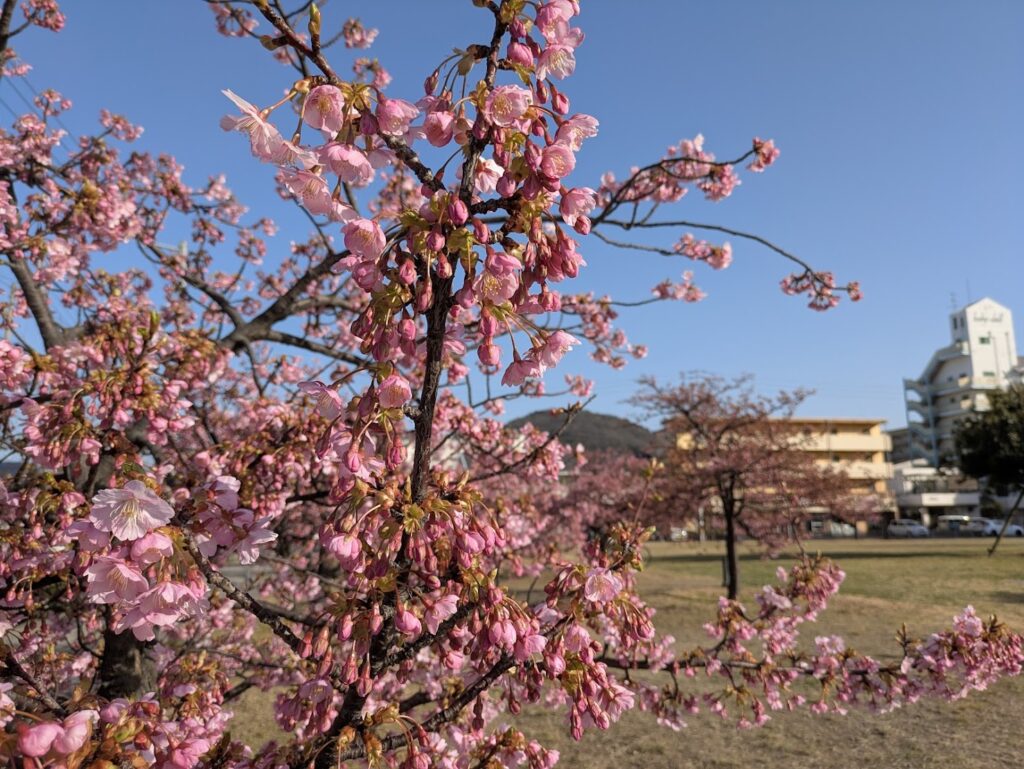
(922,583)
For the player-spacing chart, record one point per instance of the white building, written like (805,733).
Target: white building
(927,493)
(957,380)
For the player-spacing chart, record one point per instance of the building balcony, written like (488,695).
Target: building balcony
(845,442)
(866,471)
(923,408)
(940,499)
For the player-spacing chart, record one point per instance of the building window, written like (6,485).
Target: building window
(988,373)
(984,340)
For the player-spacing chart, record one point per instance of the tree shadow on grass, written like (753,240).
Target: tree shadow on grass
(837,555)
(1008,596)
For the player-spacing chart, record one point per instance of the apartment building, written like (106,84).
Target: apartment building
(858,447)
(958,378)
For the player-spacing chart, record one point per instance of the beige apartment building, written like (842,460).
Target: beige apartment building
(858,447)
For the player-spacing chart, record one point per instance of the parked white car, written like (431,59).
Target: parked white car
(905,527)
(986,527)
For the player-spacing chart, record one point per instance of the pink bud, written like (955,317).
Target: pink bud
(520,54)
(407,623)
(458,212)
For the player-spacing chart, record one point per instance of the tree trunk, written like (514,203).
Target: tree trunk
(1006,523)
(124,669)
(732,587)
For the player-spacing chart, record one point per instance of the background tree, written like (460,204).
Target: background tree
(731,455)
(990,447)
(182,413)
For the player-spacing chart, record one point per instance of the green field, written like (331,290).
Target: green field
(922,583)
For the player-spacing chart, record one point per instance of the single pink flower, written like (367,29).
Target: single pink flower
(324,108)
(113,580)
(555,347)
(394,115)
(556,60)
(152,548)
(574,130)
(439,611)
(577,202)
(36,740)
(345,548)
(394,392)
(88,537)
(365,239)
(520,54)
(348,162)
(439,127)
(129,512)
(488,172)
(528,645)
(263,137)
(76,730)
(507,104)
(496,288)
(519,370)
(602,586)
(328,402)
(557,161)
(311,189)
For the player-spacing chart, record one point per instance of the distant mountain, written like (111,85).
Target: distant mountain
(597,432)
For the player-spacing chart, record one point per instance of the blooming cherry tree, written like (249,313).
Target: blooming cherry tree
(247,466)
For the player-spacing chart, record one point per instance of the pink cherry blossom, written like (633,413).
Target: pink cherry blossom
(520,370)
(576,203)
(440,610)
(328,402)
(394,392)
(507,104)
(129,512)
(574,130)
(439,127)
(348,162)
(311,189)
(112,580)
(557,161)
(557,61)
(151,548)
(602,585)
(263,137)
(394,115)
(488,172)
(555,346)
(75,731)
(324,108)
(365,239)
(36,740)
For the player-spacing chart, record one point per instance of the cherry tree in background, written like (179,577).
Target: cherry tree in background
(734,457)
(247,465)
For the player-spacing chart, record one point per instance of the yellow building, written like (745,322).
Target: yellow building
(855,446)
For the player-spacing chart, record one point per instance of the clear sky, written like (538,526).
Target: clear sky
(900,126)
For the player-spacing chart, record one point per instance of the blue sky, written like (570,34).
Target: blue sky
(899,125)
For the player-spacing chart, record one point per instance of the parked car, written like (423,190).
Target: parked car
(986,527)
(906,527)
(832,529)
(840,529)
(953,523)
